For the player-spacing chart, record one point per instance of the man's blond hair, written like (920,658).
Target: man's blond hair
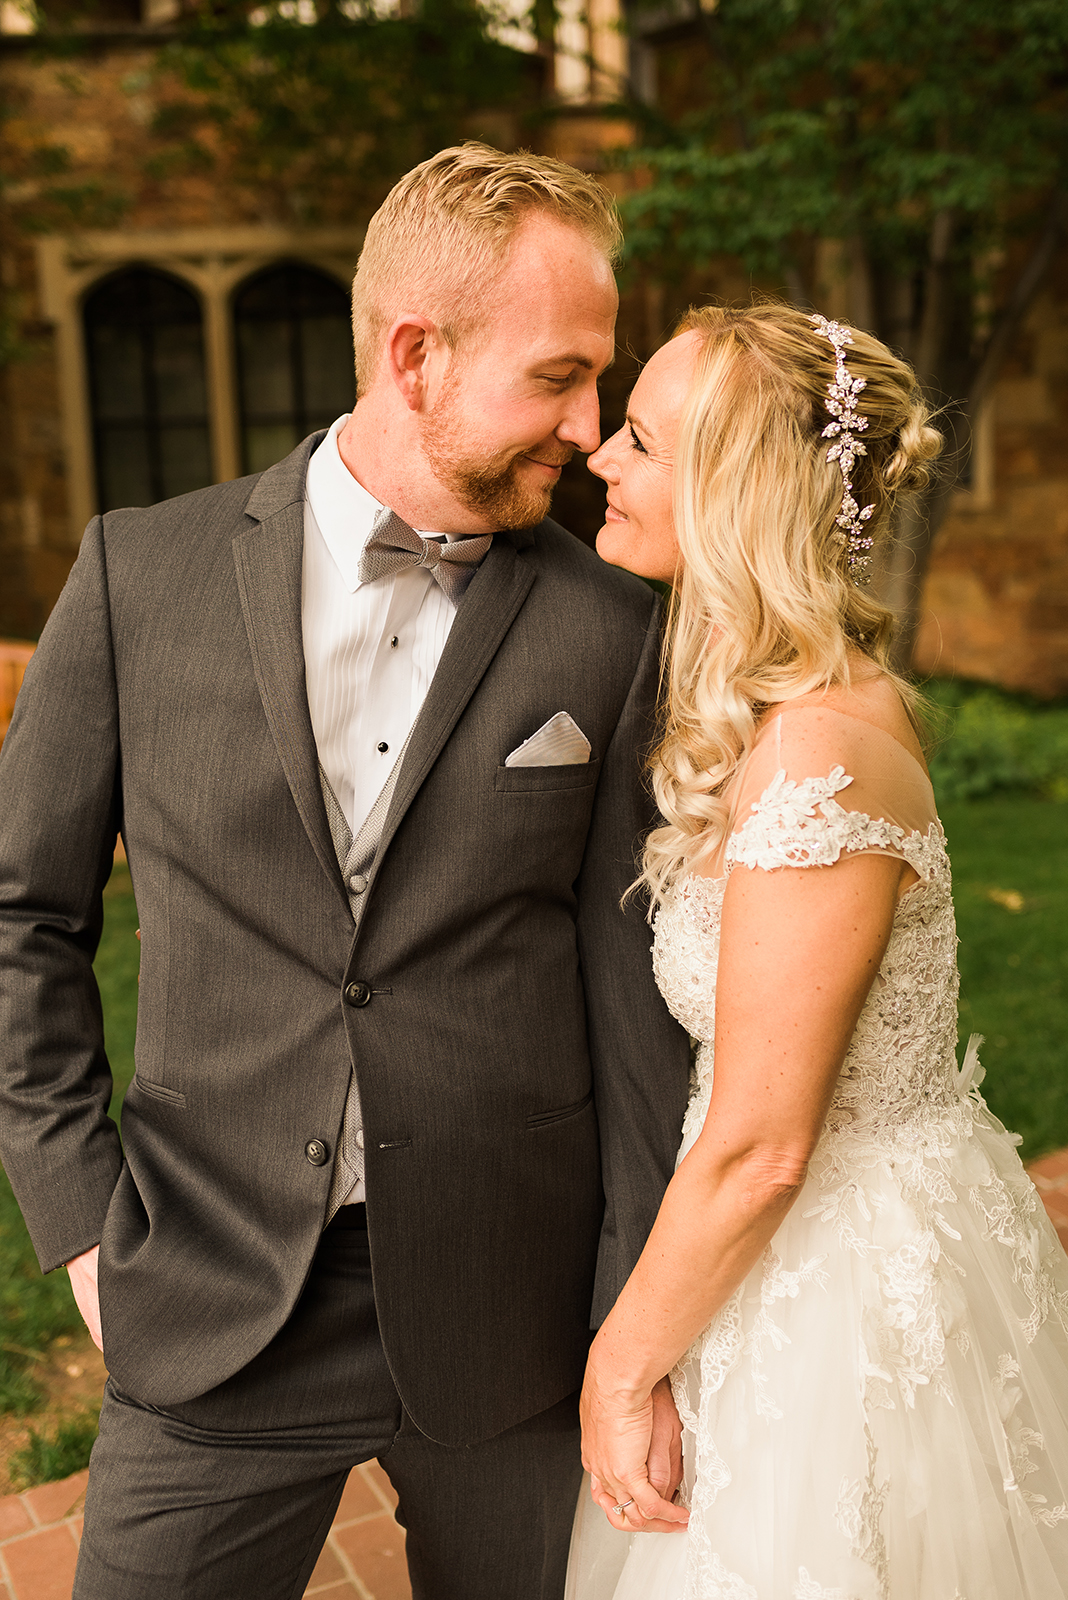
(442,235)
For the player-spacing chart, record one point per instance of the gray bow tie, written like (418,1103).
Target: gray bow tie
(394,546)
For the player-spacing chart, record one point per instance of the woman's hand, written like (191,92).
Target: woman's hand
(632,1451)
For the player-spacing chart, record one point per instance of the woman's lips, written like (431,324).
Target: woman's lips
(614,515)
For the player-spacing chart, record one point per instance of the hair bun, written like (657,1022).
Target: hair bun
(909,468)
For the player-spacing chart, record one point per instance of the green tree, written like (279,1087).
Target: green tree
(39,194)
(315,107)
(924,141)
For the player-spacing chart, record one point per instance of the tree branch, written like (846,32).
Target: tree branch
(1019,303)
(920,519)
(933,321)
(795,287)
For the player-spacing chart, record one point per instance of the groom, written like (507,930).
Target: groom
(406,1097)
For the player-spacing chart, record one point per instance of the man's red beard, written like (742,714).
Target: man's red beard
(497,493)
(491,488)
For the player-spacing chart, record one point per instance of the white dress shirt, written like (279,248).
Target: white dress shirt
(370,649)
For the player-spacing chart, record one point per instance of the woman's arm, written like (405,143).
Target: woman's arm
(800,948)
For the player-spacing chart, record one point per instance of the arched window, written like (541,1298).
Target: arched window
(294,359)
(147,390)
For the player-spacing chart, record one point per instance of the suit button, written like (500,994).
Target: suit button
(316,1152)
(358,994)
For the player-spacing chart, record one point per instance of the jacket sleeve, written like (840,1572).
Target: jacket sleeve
(59,817)
(640,1055)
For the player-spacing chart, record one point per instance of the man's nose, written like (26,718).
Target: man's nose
(582,424)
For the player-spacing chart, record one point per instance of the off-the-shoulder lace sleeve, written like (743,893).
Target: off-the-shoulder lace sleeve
(789,813)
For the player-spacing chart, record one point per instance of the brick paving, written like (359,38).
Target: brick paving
(363,1558)
(1051,1181)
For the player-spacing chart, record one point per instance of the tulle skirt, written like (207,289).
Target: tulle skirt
(881,1410)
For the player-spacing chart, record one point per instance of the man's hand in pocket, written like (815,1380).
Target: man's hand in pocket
(82,1272)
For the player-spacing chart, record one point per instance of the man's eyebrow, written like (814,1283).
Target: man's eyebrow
(581,361)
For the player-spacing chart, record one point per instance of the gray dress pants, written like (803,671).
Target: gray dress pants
(231,1496)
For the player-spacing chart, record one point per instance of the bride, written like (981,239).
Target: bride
(856,1293)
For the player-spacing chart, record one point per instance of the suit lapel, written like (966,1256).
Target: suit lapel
(269,559)
(486,613)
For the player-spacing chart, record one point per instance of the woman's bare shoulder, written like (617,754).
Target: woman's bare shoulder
(871,698)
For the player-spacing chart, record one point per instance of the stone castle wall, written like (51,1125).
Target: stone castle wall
(97,106)
(996,599)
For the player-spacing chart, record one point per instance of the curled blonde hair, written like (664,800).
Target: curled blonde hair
(441,237)
(764,609)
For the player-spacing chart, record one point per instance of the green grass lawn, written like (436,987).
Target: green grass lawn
(36,1310)
(1010,862)
(116,972)
(1010,873)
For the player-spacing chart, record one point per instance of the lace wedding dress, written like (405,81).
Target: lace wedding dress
(880,1411)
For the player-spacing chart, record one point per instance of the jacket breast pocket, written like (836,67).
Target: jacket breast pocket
(546,780)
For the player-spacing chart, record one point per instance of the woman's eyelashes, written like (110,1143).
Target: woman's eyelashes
(635,441)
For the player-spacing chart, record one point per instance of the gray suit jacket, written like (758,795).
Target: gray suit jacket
(522,1083)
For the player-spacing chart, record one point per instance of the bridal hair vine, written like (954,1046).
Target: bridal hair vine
(846,423)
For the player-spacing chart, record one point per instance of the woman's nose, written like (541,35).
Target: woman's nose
(603,463)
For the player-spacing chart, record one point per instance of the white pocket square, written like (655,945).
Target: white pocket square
(560,742)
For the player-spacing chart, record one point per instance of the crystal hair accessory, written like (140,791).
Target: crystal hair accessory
(846,423)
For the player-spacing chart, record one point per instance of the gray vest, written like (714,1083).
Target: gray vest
(356,858)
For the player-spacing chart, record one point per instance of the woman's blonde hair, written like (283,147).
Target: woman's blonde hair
(765,608)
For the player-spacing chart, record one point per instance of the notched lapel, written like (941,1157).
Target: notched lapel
(268,559)
(487,611)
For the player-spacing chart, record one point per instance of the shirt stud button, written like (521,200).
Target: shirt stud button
(394,642)
(382,746)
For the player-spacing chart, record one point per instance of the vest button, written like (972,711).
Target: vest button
(316,1152)
(358,994)
(357,883)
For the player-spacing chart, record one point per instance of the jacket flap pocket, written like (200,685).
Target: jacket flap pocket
(535,780)
(159,1091)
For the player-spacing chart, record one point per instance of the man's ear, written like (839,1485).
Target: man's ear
(414,347)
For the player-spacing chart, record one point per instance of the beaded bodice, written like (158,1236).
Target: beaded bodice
(901,1062)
